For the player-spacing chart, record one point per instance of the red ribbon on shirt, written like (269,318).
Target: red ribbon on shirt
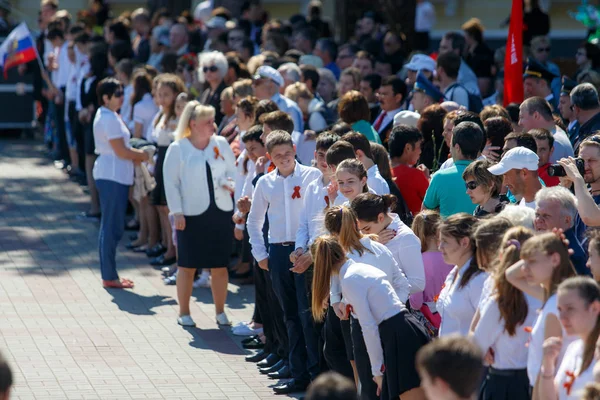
(218,153)
(296,194)
(437,296)
(569,382)
(271,167)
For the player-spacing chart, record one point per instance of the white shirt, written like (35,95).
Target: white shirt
(536,345)
(108,166)
(457,94)
(143,113)
(312,224)
(510,352)
(406,249)
(72,90)
(376,182)
(562,145)
(290,107)
(457,305)
(185,175)
(83,68)
(424,17)
(276,196)
(388,119)
(523,203)
(572,363)
(373,300)
(126,107)
(381,258)
(64,65)
(240,176)
(164,135)
(467,78)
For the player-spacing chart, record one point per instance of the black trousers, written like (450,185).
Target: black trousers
(334,349)
(62,145)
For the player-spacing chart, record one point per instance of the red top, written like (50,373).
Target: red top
(548,180)
(413,184)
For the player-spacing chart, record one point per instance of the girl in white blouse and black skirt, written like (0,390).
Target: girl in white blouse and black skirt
(199,172)
(391,334)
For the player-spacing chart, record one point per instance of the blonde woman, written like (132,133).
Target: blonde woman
(199,170)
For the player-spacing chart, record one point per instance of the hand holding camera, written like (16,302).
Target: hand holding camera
(569,169)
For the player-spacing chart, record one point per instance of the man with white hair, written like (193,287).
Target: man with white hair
(556,208)
(267,82)
(291,74)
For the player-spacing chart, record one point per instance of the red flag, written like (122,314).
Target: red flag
(513,60)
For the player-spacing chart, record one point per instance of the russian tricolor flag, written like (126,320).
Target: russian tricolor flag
(17,49)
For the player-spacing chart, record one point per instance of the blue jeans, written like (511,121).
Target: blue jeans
(113,205)
(290,290)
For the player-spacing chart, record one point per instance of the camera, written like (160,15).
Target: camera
(558,170)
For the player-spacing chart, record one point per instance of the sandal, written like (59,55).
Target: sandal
(123,284)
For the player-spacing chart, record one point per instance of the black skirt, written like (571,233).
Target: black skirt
(505,384)
(159,197)
(401,338)
(207,239)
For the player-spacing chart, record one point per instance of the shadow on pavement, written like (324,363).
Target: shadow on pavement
(136,304)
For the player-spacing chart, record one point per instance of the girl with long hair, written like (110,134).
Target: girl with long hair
(350,181)
(543,266)
(169,86)
(579,313)
(500,332)
(459,298)
(341,222)
(143,108)
(391,335)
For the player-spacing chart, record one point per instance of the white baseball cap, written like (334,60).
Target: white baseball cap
(267,72)
(421,62)
(406,117)
(516,158)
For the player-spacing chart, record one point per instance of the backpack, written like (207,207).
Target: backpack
(475,102)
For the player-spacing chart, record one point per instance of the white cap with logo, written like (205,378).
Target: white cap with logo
(516,158)
(267,72)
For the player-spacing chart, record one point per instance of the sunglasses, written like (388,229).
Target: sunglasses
(471,185)
(212,68)
(543,50)
(118,93)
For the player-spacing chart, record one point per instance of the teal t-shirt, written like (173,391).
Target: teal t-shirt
(447,191)
(366,129)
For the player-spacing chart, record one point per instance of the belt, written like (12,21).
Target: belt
(284,244)
(506,372)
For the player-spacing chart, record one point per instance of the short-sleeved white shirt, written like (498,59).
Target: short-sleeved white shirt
(143,113)
(108,126)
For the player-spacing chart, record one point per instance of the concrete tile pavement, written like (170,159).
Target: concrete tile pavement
(68,338)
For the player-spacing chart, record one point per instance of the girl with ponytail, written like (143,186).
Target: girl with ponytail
(579,310)
(391,335)
(544,264)
(500,331)
(350,181)
(341,223)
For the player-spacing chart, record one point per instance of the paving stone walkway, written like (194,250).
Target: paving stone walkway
(68,338)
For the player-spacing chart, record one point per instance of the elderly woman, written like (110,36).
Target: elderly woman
(199,172)
(353,109)
(212,71)
(483,188)
(113,173)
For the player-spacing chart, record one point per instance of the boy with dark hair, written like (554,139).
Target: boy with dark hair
(339,152)
(450,368)
(279,195)
(362,149)
(331,386)
(405,150)
(6,379)
(124,72)
(545,147)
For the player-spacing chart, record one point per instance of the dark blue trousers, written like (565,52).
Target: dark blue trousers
(290,289)
(113,205)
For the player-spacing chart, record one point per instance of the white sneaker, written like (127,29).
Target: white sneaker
(223,320)
(202,282)
(245,330)
(171,280)
(186,320)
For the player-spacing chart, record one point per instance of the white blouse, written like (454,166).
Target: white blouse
(457,305)
(381,258)
(143,113)
(108,125)
(406,249)
(164,135)
(185,175)
(510,352)
(568,372)
(373,300)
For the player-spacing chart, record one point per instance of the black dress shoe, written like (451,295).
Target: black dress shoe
(253,344)
(273,368)
(268,362)
(156,251)
(283,373)
(162,261)
(249,339)
(292,386)
(261,355)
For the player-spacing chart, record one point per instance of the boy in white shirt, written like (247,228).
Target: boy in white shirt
(362,148)
(279,194)
(124,72)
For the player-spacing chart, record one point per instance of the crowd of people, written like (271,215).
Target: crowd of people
(377,199)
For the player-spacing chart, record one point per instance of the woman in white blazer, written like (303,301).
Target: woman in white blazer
(199,172)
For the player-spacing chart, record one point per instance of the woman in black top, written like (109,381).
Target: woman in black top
(213,68)
(483,188)
(478,55)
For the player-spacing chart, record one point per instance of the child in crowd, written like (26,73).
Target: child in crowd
(350,181)
(362,149)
